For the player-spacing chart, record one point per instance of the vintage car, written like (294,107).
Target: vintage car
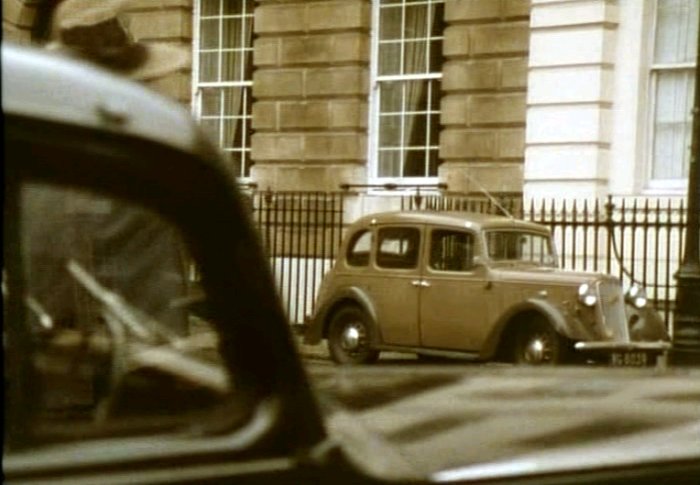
(478,286)
(105,385)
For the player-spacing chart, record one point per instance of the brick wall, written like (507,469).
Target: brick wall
(484,91)
(311,86)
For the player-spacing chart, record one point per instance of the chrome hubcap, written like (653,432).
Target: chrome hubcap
(538,350)
(352,337)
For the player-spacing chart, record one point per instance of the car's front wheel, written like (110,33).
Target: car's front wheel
(349,339)
(537,343)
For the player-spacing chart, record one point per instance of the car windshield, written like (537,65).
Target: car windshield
(529,247)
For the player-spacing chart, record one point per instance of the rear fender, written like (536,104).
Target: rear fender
(352,295)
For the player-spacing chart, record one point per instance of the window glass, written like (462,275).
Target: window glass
(519,246)
(398,247)
(122,338)
(359,249)
(451,250)
(224,77)
(673,84)
(408,73)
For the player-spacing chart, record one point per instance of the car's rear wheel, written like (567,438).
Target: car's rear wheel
(537,343)
(349,339)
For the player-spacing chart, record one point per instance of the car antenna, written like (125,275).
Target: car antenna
(490,197)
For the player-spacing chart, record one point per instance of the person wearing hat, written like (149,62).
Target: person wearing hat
(97,31)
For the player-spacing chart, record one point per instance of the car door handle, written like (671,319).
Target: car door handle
(420,283)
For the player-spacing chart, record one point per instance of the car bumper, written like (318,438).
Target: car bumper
(626,354)
(658,346)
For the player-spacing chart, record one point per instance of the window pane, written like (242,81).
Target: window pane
(238,7)
(209,33)
(390,131)
(208,67)
(451,251)
(415,163)
(232,67)
(389,59)
(391,95)
(390,23)
(389,163)
(398,247)
(672,124)
(359,248)
(211,102)
(211,7)
(676,31)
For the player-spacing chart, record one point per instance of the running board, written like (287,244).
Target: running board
(450,354)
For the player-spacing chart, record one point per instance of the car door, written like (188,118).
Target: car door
(455,296)
(112,373)
(394,283)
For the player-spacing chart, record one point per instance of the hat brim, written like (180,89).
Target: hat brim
(161,60)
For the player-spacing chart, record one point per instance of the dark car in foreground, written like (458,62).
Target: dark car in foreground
(113,375)
(477,286)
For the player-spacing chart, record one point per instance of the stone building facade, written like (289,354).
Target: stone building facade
(546,98)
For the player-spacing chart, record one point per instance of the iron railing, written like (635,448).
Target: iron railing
(301,232)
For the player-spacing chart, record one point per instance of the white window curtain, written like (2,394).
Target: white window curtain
(672,81)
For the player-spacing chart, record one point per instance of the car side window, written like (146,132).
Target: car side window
(397,247)
(359,248)
(121,338)
(451,250)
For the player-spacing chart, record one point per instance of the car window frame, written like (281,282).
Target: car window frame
(352,242)
(457,230)
(418,229)
(273,388)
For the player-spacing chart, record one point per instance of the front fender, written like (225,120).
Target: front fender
(317,326)
(646,324)
(568,327)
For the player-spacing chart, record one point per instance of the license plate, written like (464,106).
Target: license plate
(629,359)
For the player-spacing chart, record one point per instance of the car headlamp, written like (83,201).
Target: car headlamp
(636,296)
(587,295)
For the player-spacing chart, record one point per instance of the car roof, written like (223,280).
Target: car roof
(472,220)
(45,85)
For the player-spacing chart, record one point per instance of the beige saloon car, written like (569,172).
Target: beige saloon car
(479,286)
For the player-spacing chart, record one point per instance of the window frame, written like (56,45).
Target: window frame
(374,111)
(246,87)
(652,184)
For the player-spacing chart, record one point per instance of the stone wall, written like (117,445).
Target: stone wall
(484,91)
(166,22)
(17,20)
(311,84)
(570,98)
